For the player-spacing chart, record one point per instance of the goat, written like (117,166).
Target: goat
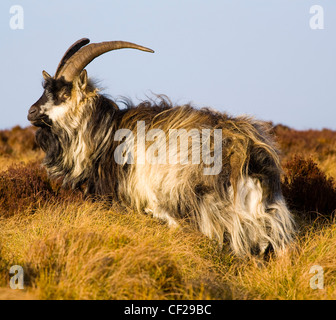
(81,130)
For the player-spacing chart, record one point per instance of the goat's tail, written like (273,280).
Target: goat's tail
(254,217)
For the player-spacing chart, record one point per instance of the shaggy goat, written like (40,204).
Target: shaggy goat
(89,142)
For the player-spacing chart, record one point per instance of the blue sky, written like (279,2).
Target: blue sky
(256,57)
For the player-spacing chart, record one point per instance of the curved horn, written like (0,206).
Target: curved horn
(80,59)
(71,51)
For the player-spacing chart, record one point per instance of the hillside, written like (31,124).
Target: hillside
(76,248)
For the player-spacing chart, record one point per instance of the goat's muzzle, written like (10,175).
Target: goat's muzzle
(36,118)
(33,113)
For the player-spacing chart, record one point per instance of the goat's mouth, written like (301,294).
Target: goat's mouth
(41,122)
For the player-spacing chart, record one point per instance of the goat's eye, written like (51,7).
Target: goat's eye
(64,96)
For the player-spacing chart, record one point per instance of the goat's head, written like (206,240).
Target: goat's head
(69,87)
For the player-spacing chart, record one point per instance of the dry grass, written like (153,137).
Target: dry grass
(85,251)
(71,248)
(288,277)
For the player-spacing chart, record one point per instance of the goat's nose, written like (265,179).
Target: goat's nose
(33,111)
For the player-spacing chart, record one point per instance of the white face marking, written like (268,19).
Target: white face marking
(55,113)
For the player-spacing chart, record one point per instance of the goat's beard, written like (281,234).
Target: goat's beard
(45,139)
(50,144)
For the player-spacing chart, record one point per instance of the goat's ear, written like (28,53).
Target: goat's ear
(83,79)
(46,75)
